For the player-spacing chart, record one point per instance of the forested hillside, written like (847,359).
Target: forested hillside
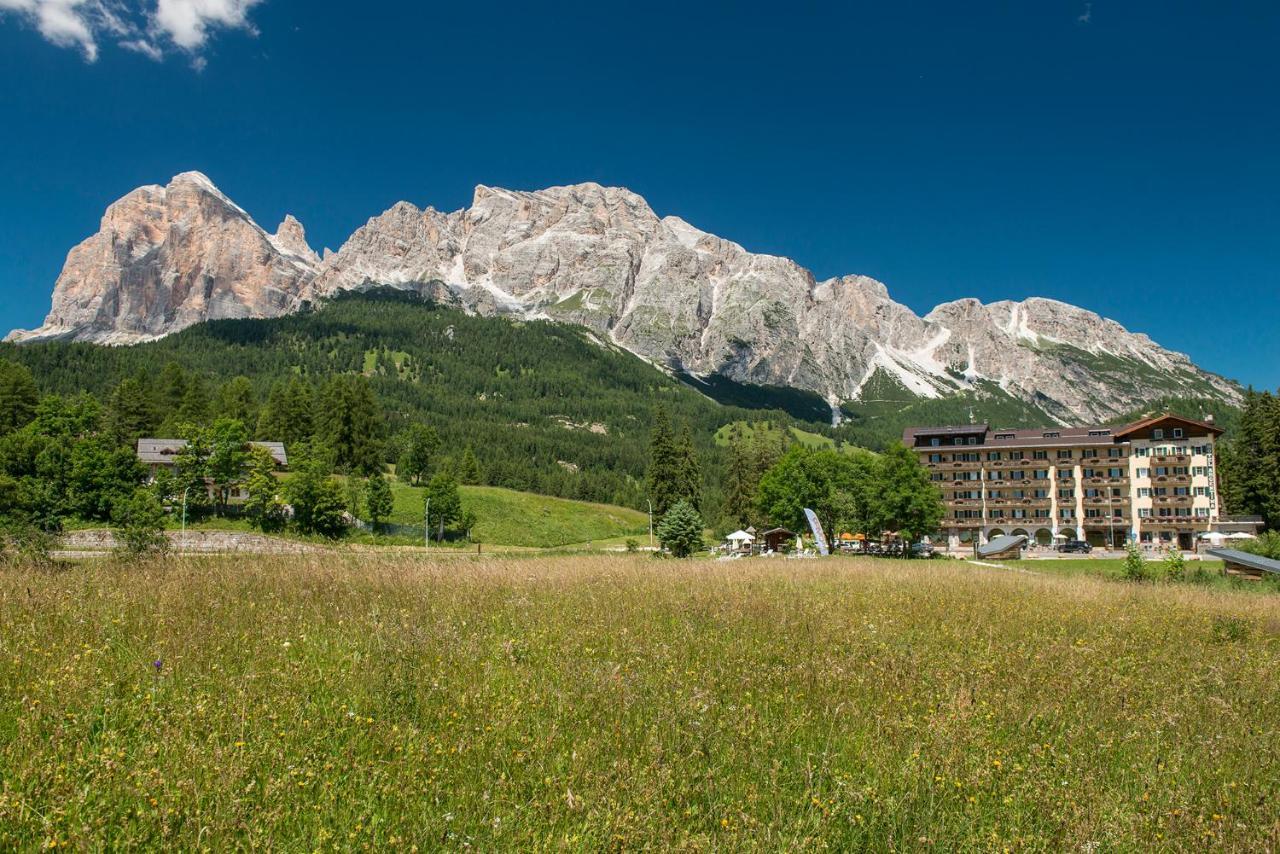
(543,407)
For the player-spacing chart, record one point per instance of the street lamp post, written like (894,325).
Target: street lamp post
(650,503)
(183,547)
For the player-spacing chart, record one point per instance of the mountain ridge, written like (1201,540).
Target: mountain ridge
(600,257)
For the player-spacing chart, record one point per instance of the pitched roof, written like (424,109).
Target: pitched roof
(1258,562)
(163,451)
(1152,421)
(1001,544)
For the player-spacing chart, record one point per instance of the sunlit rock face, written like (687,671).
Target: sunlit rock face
(167,257)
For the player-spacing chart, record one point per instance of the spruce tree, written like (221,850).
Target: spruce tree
(378,500)
(680,531)
(350,422)
(18,396)
(130,415)
(662,477)
(689,485)
(468,467)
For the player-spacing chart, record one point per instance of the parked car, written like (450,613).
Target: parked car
(921,550)
(1075,547)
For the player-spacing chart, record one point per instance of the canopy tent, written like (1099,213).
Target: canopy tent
(1213,536)
(740,537)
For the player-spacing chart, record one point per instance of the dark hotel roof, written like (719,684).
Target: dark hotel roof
(1258,562)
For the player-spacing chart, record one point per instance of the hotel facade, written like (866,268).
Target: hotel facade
(1154,481)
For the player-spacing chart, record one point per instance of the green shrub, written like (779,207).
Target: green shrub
(139,526)
(1175,566)
(680,531)
(1135,568)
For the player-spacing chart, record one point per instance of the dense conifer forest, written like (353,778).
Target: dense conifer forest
(539,406)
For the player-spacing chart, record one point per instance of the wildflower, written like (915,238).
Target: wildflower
(158,664)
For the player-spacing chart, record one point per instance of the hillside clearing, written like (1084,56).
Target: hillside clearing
(357,700)
(511,518)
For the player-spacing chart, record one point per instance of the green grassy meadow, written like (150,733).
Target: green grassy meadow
(510,518)
(352,700)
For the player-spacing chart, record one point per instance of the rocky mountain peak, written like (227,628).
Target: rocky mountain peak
(598,256)
(291,239)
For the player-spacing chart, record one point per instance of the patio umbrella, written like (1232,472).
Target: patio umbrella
(1241,535)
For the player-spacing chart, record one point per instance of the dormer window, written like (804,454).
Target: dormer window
(1052,435)
(1004,435)
(1177,432)
(1157,433)
(935,442)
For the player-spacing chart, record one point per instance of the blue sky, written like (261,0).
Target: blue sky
(1124,156)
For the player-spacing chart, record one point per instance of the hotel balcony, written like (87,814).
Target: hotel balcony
(1173,500)
(1175,479)
(1170,460)
(1105,481)
(964,502)
(1107,521)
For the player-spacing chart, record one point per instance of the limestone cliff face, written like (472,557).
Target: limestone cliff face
(601,258)
(167,257)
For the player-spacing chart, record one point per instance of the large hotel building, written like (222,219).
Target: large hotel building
(1154,481)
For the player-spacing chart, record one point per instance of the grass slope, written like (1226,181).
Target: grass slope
(625,703)
(510,518)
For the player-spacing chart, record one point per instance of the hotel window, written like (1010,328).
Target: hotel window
(1019,513)
(1092,513)
(1040,455)
(1116,493)
(1064,454)
(992,456)
(1017,475)
(1202,450)
(1202,511)
(1177,432)
(1181,490)
(1040,493)
(1089,453)
(1141,452)
(1144,512)
(1115,472)
(959,440)
(1064,473)
(1157,434)
(1040,474)
(935,458)
(1042,513)
(1004,435)
(1066,493)
(1204,492)
(994,493)
(1182,511)
(1115,452)
(1144,492)
(1017,455)
(1160,471)
(995,514)
(1066,513)
(938,476)
(1019,493)
(973,440)
(1052,435)
(1164,511)
(1181,470)
(1099,432)
(933,443)
(1144,472)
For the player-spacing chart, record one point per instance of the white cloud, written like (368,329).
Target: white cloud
(153,28)
(187,22)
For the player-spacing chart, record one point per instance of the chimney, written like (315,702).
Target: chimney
(1208,418)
